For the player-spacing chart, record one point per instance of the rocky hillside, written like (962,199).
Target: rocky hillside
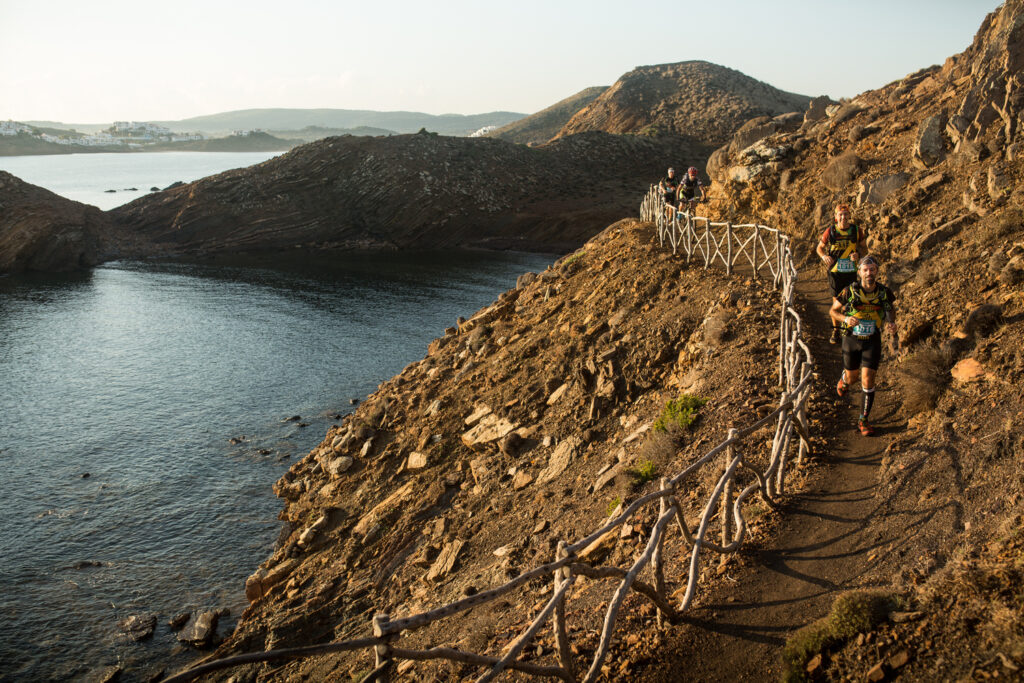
(703,101)
(409,191)
(933,165)
(526,424)
(40,230)
(538,128)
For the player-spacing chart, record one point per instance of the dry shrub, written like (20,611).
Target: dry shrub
(923,375)
(926,276)
(659,447)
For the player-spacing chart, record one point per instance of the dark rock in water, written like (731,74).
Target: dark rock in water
(131,189)
(353,401)
(200,630)
(293,418)
(154,189)
(86,564)
(138,626)
(84,475)
(302,424)
(235,440)
(107,674)
(110,190)
(180,620)
(264,451)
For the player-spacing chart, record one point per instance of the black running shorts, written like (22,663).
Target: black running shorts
(862,353)
(670,199)
(837,282)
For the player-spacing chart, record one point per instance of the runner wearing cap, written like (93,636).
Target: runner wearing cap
(840,247)
(862,309)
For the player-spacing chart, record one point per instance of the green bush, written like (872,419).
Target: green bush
(852,613)
(614,503)
(679,414)
(644,471)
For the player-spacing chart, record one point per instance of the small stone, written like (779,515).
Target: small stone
(521,480)
(445,560)
(541,526)
(138,626)
(200,630)
(557,394)
(365,450)
(899,660)
(814,666)
(876,673)
(177,621)
(339,466)
(417,460)
(902,617)
(968,370)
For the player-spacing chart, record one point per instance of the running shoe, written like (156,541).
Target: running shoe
(842,388)
(865,427)
(834,339)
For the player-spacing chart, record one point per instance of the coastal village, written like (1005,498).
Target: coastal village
(127,134)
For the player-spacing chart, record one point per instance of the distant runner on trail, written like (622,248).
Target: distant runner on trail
(669,186)
(688,187)
(862,308)
(839,249)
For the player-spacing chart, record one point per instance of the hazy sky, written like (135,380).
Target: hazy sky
(91,62)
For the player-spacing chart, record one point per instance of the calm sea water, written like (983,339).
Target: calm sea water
(87,177)
(138,374)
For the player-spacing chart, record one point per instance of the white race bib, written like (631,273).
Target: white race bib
(845,265)
(865,328)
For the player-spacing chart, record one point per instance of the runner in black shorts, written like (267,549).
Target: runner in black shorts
(669,185)
(863,308)
(839,249)
(688,187)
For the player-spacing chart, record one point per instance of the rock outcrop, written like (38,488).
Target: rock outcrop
(932,166)
(703,101)
(409,191)
(42,231)
(540,127)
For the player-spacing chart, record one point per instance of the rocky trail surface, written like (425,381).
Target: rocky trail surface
(828,535)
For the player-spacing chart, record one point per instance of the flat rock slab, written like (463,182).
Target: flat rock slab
(445,561)
(138,626)
(560,459)
(200,630)
(490,428)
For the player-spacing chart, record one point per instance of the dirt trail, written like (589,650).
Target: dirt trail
(823,545)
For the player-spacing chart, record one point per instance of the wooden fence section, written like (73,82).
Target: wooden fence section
(767,251)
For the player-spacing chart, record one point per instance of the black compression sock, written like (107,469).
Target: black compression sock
(869,400)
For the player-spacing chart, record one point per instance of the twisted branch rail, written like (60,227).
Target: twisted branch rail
(764,249)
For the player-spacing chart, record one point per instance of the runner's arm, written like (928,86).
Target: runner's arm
(837,315)
(823,252)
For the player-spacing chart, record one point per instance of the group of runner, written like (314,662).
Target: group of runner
(861,305)
(678,192)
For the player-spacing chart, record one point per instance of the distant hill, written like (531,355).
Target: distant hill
(311,133)
(703,101)
(540,127)
(283,120)
(254,142)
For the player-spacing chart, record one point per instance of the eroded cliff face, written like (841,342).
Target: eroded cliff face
(43,231)
(703,101)
(409,191)
(525,425)
(933,166)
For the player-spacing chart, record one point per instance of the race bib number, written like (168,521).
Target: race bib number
(845,265)
(865,328)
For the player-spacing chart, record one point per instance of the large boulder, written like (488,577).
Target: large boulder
(929,147)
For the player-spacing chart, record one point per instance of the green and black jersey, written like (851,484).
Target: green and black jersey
(841,244)
(870,308)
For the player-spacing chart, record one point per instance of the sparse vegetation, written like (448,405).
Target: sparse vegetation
(923,375)
(643,472)
(679,414)
(851,614)
(614,503)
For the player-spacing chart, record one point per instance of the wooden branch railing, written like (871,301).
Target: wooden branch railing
(766,250)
